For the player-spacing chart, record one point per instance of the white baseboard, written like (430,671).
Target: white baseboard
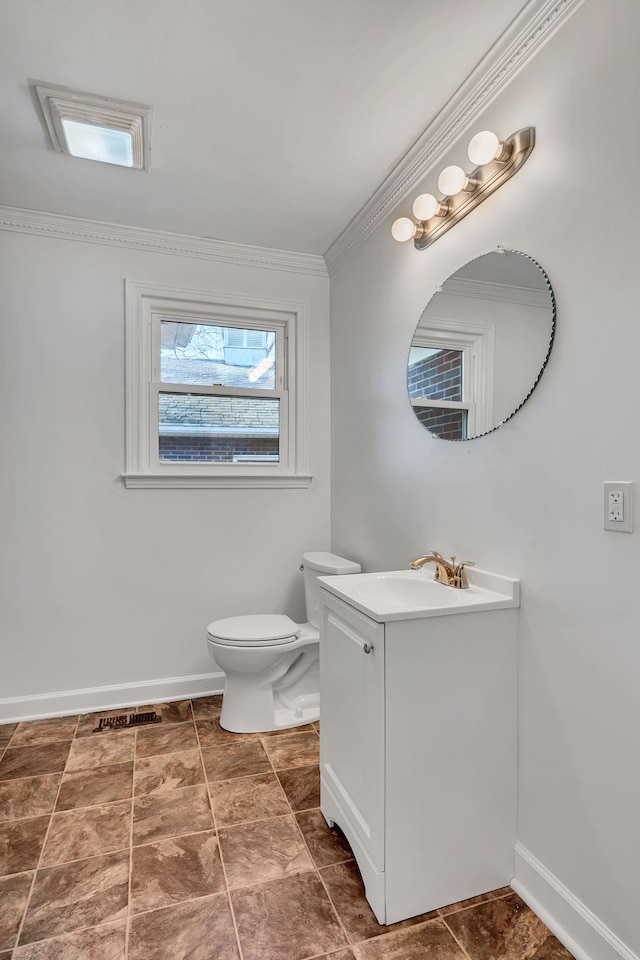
(64,703)
(582,933)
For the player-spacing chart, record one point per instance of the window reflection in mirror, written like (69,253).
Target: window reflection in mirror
(481,345)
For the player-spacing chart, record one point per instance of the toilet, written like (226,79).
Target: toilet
(272,663)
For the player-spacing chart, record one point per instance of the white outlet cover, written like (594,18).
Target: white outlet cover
(626,488)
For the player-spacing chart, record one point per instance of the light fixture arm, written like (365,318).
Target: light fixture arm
(486,179)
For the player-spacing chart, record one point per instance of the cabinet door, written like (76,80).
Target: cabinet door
(352,719)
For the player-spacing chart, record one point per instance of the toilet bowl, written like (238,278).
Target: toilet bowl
(271,663)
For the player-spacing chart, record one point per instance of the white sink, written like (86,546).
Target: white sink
(408,594)
(403,588)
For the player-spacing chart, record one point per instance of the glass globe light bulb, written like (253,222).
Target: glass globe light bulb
(425,206)
(484,147)
(403,229)
(452,180)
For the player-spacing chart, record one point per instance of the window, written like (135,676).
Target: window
(216,391)
(440,384)
(449,375)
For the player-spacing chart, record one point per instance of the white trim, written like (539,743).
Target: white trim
(520,42)
(139,481)
(64,703)
(197,429)
(429,404)
(43,224)
(572,922)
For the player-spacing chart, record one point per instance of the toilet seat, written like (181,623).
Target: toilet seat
(256,630)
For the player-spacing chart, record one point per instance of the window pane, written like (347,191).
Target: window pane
(448,424)
(207,354)
(193,428)
(435,374)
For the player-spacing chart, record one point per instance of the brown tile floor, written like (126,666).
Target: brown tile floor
(184,841)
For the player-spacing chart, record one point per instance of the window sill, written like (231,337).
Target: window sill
(133,481)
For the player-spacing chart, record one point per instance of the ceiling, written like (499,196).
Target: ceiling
(273,120)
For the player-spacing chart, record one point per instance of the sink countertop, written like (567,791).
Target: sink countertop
(411,594)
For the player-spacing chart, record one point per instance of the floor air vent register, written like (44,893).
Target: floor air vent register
(125,722)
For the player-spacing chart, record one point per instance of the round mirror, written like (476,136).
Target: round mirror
(481,345)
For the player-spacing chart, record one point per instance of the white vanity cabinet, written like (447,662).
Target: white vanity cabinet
(418,749)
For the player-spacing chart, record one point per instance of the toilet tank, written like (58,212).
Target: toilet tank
(316,565)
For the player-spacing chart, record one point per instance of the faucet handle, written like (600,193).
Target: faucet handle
(460,572)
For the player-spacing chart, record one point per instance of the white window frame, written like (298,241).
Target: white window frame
(476,342)
(146,306)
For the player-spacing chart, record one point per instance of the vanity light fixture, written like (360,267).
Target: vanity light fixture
(496,161)
(95,128)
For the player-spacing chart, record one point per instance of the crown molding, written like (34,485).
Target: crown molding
(520,42)
(502,292)
(42,224)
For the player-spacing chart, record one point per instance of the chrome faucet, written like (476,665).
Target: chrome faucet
(452,574)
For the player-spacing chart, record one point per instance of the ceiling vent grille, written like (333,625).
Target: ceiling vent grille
(95,128)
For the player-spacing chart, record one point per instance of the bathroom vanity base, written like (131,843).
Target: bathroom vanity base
(373,879)
(418,752)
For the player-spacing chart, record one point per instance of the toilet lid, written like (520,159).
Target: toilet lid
(254,629)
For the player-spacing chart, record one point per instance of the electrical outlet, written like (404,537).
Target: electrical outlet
(618,506)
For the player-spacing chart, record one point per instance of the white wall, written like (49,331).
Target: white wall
(100,585)
(527,500)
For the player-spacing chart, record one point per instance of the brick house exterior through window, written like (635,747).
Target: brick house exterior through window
(438,376)
(212,428)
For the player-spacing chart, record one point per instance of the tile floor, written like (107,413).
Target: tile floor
(180,840)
